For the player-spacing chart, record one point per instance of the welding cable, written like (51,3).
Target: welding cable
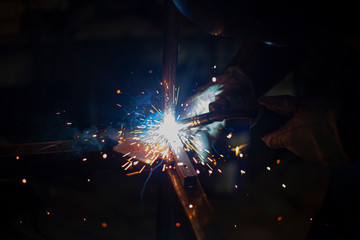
(146,181)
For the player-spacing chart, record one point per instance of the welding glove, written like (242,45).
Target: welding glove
(236,90)
(312,132)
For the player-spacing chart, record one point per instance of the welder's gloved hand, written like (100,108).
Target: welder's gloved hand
(236,90)
(312,132)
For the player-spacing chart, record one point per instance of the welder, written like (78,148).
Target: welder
(298,60)
(310,44)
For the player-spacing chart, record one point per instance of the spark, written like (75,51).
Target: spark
(158,136)
(24,180)
(125,164)
(142,169)
(238,149)
(128,166)
(268,168)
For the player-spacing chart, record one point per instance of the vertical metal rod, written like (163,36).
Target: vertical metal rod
(170,54)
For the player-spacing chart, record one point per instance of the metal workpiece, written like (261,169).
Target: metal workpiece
(211,117)
(184,168)
(194,204)
(183,179)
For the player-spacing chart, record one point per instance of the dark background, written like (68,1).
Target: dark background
(62,62)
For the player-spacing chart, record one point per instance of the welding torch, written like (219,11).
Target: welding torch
(263,120)
(207,118)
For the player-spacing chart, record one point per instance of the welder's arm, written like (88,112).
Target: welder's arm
(236,90)
(318,130)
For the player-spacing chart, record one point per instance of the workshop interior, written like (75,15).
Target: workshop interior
(112,124)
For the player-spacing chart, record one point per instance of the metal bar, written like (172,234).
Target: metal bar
(170,54)
(184,168)
(37,148)
(199,213)
(183,180)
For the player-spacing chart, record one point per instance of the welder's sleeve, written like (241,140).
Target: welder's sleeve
(313,131)
(236,90)
(255,69)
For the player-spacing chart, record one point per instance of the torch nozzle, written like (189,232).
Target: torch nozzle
(211,117)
